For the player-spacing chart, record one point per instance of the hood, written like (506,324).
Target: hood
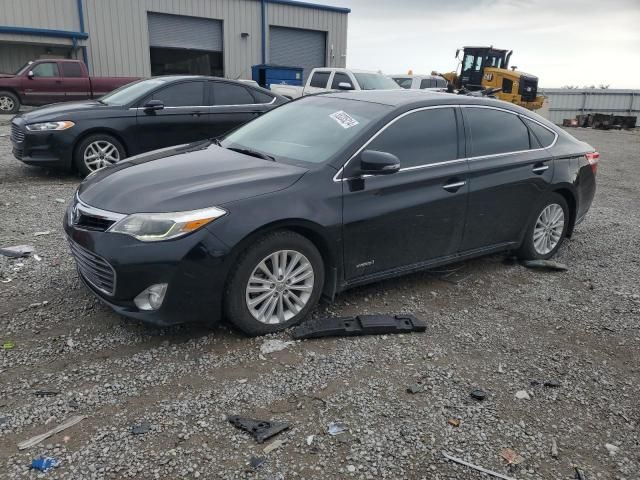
(183,178)
(7,75)
(57,111)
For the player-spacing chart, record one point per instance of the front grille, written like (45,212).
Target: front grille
(94,269)
(17,133)
(528,88)
(91,222)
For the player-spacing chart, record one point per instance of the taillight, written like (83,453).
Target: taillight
(593,158)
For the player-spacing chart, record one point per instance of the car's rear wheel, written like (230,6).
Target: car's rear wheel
(276,283)
(547,230)
(97,152)
(9,102)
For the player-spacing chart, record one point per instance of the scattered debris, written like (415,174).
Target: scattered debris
(475,467)
(8,345)
(454,422)
(580,475)
(60,200)
(478,394)
(273,446)
(335,428)
(359,325)
(415,388)
(260,429)
(351,468)
(37,257)
(17,251)
(310,439)
(552,384)
(40,234)
(5,280)
(554,448)
(611,448)
(256,462)
(141,429)
(39,438)
(70,343)
(546,265)
(500,369)
(511,457)
(44,463)
(271,346)
(46,393)
(522,395)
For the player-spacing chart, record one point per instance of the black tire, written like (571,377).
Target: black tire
(78,155)
(235,303)
(9,102)
(527,250)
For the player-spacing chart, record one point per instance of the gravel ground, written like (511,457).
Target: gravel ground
(493,325)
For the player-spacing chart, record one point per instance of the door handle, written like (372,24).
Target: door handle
(196,114)
(540,168)
(453,187)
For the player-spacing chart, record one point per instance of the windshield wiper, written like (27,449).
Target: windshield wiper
(253,153)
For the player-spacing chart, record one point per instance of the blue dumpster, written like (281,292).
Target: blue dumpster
(266,75)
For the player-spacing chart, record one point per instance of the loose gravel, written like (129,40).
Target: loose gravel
(569,340)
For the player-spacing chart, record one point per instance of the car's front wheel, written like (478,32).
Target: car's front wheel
(276,283)
(547,229)
(96,152)
(9,102)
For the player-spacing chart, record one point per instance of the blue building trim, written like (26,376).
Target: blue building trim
(44,32)
(317,6)
(85,58)
(263,12)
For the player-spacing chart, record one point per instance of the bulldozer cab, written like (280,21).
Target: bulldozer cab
(475,60)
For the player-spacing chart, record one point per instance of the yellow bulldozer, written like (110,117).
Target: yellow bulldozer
(485,70)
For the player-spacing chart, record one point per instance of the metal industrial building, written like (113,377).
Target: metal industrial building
(154,37)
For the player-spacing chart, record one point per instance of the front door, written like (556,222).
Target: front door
(182,120)
(44,86)
(472,69)
(507,176)
(415,215)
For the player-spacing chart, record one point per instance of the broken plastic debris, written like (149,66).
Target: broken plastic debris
(256,462)
(39,234)
(60,200)
(46,393)
(552,384)
(272,446)
(475,467)
(39,438)
(546,265)
(141,429)
(478,394)
(359,325)
(335,428)
(260,429)
(415,388)
(271,346)
(554,448)
(522,395)
(310,439)
(454,422)
(44,463)
(580,475)
(8,345)
(611,448)
(17,251)
(511,457)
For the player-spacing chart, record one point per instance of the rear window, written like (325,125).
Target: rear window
(495,131)
(230,94)
(71,70)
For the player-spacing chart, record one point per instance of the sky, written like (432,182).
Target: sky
(562,42)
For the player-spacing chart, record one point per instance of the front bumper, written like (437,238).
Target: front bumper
(44,149)
(194,267)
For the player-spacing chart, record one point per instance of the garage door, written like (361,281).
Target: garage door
(293,47)
(178,31)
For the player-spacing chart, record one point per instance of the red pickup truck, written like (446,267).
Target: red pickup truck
(48,81)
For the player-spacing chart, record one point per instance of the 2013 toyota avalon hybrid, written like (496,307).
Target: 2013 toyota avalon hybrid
(322,194)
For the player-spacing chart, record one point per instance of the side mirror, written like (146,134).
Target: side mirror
(153,105)
(30,75)
(373,162)
(345,86)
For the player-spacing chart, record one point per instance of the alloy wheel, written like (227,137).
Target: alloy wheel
(100,154)
(548,229)
(6,104)
(279,287)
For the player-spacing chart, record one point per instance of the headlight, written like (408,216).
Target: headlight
(40,127)
(154,227)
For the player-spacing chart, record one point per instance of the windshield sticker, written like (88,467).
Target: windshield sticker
(344,119)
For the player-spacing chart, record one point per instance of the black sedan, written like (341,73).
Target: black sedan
(139,117)
(320,195)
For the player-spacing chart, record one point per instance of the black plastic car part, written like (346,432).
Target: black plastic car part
(260,429)
(359,325)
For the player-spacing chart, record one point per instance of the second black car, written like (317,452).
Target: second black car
(139,117)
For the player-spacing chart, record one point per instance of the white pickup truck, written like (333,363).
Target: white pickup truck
(327,79)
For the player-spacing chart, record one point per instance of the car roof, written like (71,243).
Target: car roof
(340,69)
(406,75)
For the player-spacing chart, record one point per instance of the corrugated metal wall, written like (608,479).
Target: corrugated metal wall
(51,14)
(13,56)
(567,103)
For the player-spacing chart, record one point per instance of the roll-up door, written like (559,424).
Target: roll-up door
(295,47)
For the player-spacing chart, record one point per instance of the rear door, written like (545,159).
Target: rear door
(417,214)
(76,84)
(508,172)
(182,120)
(232,105)
(45,86)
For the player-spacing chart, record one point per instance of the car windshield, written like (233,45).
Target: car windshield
(131,92)
(22,69)
(312,129)
(375,81)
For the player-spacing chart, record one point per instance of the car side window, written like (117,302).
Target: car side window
(187,94)
(71,70)
(224,93)
(544,136)
(403,82)
(339,78)
(426,83)
(421,138)
(261,97)
(319,80)
(47,69)
(495,131)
